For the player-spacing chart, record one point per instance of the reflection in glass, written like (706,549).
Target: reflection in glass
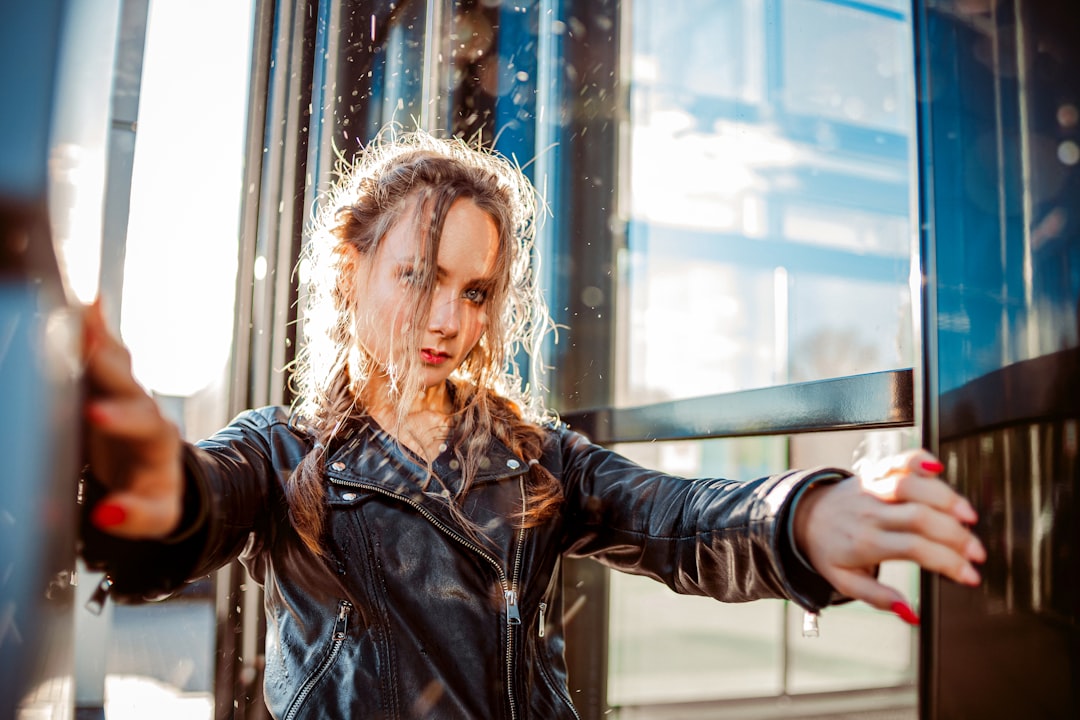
(402,85)
(666,648)
(769,240)
(1000,82)
(769,195)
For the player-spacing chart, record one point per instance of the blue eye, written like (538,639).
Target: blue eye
(476,296)
(410,276)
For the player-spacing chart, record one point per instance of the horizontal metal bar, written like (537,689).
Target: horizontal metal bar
(1040,389)
(856,402)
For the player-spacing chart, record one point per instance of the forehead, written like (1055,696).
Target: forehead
(468,247)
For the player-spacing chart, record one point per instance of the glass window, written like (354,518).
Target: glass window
(769,240)
(769,185)
(177,312)
(667,648)
(397,73)
(861,68)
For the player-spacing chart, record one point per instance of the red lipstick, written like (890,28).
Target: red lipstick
(433,357)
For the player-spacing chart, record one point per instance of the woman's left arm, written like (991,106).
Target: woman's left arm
(723,538)
(896,510)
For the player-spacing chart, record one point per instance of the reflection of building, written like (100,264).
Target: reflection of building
(770,185)
(1000,158)
(769,240)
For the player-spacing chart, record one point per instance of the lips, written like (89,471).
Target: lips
(434,357)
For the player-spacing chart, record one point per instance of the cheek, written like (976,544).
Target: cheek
(383,321)
(477,323)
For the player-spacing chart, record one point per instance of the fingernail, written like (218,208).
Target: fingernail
(975,551)
(932,466)
(903,611)
(965,512)
(970,576)
(107,515)
(96,414)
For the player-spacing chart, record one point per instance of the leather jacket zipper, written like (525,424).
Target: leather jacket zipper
(509,585)
(513,614)
(337,640)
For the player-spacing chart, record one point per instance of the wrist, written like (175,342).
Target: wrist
(801,518)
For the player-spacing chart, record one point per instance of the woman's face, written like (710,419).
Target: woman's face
(457,316)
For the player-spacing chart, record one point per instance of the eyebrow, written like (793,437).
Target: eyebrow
(482,281)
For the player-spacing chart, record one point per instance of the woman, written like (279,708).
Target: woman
(408,515)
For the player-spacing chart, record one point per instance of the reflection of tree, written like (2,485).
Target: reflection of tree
(832,352)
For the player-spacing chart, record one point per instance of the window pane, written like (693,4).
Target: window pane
(397,76)
(665,648)
(861,68)
(858,647)
(769,239)
(177,314)
(769,225)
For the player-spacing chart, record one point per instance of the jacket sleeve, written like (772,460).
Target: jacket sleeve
(232,498)
(722,538)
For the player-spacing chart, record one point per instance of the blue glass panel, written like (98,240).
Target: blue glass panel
(1001,129)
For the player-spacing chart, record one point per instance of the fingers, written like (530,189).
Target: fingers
(131,447)
(912,477)
(933,525)
(127,418)
(895,509)
(108,362)
(137,517)
(920,519)
(876,532)
(861,585)
(139,459)
(945,559)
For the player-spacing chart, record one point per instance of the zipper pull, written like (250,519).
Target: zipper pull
(810,625)
(513,616)
(97,600)
(342,623)
(542,630)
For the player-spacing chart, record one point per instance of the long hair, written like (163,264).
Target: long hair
(418,175)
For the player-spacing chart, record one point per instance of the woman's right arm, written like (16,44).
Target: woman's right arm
(158,511)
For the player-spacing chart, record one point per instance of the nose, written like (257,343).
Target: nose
(445,316)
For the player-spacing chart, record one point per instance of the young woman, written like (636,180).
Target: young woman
(407,516)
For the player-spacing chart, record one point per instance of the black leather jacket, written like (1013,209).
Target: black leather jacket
(433,621)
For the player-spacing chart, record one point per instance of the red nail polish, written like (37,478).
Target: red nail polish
(107,515)
(903,611)
(932,466)
(95,414)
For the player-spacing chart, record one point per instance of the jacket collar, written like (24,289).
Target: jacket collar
(370,455)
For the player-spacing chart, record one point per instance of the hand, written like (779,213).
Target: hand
(131,447)
(898,510)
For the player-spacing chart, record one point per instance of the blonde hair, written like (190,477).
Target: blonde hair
(332,369)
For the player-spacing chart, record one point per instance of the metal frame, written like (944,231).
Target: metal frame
(265,336)
(857,402)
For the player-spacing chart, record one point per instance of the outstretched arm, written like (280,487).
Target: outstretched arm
(132,449)
(897,510)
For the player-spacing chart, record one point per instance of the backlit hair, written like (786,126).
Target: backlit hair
(416,177)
